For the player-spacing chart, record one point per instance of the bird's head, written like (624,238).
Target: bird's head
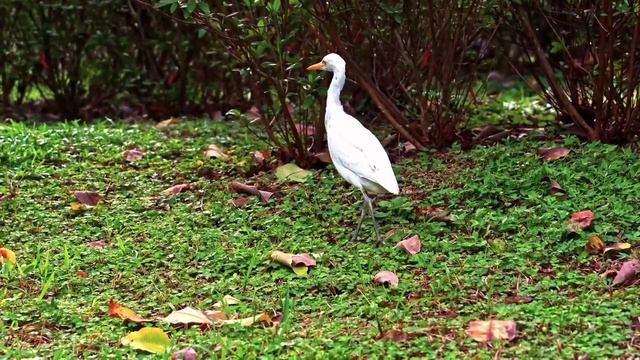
(331,62)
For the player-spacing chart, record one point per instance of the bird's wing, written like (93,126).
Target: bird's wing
(354,147)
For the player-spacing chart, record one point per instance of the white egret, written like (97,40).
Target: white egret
(355,151)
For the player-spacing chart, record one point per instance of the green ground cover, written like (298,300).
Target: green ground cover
(506,254)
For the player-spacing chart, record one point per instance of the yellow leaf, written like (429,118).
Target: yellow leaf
(247,321)
(292,172)
(76,207)
(594,245)
(165,123)
(286,260)
(149,339)
(617,247)
(7,255)
(213,151)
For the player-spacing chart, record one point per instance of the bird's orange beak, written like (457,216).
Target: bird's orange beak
(318,66)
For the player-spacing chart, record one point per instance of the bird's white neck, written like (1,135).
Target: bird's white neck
(333,96)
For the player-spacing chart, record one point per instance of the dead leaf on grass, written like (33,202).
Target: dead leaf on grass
(411,245)
(88,198)
(188,353)
(118,311)
(248,321)
(251,190)
(227,300)
(489,330)
(7,256)
(187,316)
(555,188)
(213,151)
(240,201)
(580,220)
(386,278)
(175,189)
(292,172)
(97,244)
(627,272)
(517,299)
(553,153)
(298,266)
(594,245)
(165,123)
(434,213)
(617,247)
(393,335)
(132,155)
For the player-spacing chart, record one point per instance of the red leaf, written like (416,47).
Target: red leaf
(175,189)
(302,259)
(88,198)
(82,274)
(489,330)
(426,56)
(553,153)
(627,272)
(386,277)
(132,155)
(580,220)
(171,78)
(251,190)
(411,245)
(43,62)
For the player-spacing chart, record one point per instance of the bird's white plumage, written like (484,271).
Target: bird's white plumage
(355,151)
(358,155)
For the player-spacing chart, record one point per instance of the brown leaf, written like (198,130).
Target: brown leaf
(324,157)
(555,188)
(260,157)
(386,277)
(411,245)
(627,272)
(553,153)
(303,260)
(393,335)
(97,244)
(252,190)
(240,201)
(517,299)
(617,247)
(132,155)
(489,330)
(213,151)
(88,198)
(175,189)
(409,148)
(82,274)
(188,353)
(165,123)
(594,245)
(434,213)
(580,220)
(286,259)
(118,311)
(7,256)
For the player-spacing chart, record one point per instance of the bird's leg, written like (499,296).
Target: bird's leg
(369,204)
(362,215)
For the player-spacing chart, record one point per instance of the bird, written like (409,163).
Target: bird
(356,153)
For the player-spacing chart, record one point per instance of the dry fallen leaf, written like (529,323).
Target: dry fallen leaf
(617,247)
(7,256)
(553,153)
(517,299)
(386,277)
(252,190)
(434,213)
(303,260)
(175,189)
(240,201)
(580,220)
(213,151)
(594,245)
(555,188)
(393,335)
(132,155)
(165,123)
(82,274)
(627,272)
(188,353)
(76,207)
(118,311)
(227,300)
(260,157)
(88,198)
(187,316)
(150,339)
(323,157)
(264,317)
(286,259)
(97,244)
(411,245)
(489,330)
